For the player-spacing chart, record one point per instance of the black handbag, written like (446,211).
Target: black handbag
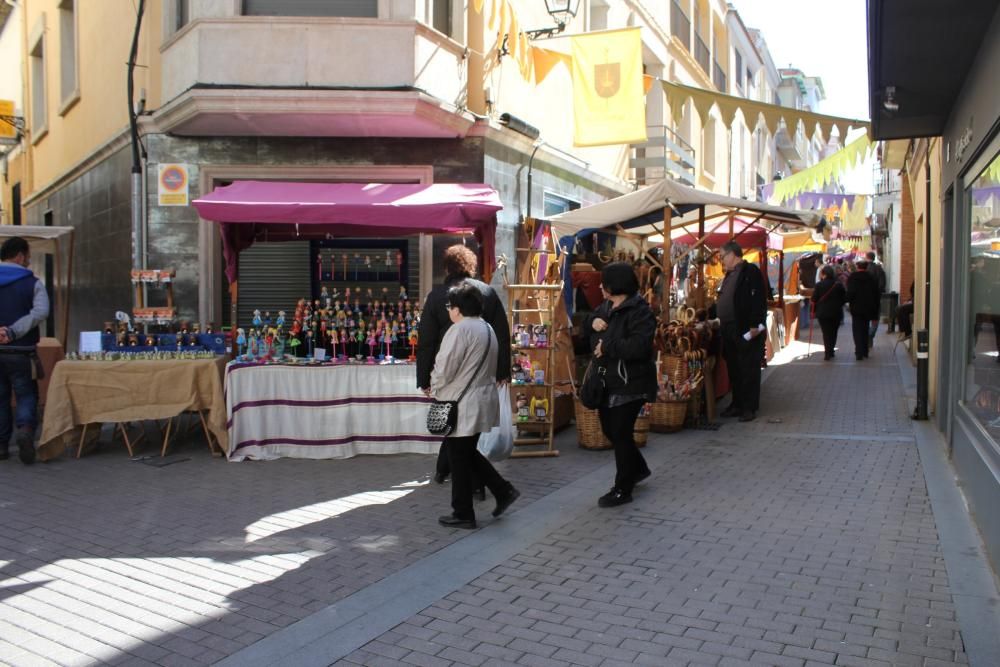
(592,388)
(442,418)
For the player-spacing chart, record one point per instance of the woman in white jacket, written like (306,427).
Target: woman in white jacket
(468,359)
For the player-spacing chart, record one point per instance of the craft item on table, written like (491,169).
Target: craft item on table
(109,327)
(371,345)
(241,340)
(309,343)
(196,328)
(516,372)
(345,265)
(150,341)
(538,373)
(280,322)
(385,294)
(251,344)
(319,266)
(359,341)
(294,343)
(343,343)
(180,339)
(357,305)
(523,408)
(357,262)
(399,269)
(414,337)
(402,293)
(324,293)
(280,345)
(539,408)
(210,328)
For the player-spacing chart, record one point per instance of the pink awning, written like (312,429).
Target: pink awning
(282,211)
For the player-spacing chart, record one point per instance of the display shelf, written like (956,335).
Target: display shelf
(530,306)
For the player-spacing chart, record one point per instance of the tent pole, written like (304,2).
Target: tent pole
(667,269)
(781,279)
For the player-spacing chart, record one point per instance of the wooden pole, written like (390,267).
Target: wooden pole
(781,279)
(700,296)
(667,269)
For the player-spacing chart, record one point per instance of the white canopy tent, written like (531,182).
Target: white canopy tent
(58,242)
(669,205)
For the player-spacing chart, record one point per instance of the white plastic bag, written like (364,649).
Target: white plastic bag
(498,443)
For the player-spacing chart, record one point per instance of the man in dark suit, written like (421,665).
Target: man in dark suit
(742,309)
(863,295)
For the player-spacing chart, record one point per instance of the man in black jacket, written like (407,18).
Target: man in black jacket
(863,295)
(459,264)
(742,309)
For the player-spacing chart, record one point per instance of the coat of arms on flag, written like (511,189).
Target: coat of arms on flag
(609,99)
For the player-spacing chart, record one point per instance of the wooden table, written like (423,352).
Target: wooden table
(86,393)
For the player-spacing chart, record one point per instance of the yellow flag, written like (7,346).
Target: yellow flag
(609,106)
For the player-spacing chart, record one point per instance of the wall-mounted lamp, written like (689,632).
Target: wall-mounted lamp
(520,126)
(562,12)
(889,102)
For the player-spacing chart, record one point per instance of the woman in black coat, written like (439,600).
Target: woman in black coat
(620,333)
(828,303)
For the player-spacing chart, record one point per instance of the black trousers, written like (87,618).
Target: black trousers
(859,327)
(618,425)
(830,326)
(467,464)
(743,359)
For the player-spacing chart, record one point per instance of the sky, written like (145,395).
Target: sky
(824,38)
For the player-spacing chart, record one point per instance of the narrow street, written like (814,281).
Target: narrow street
(807,537)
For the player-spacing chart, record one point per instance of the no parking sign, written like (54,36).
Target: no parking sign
(172,185)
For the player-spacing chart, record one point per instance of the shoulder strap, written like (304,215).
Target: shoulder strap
(478,366)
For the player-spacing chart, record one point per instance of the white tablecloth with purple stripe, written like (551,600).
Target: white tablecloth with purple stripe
(325,412)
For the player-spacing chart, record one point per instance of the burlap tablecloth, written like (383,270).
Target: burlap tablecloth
(89,392)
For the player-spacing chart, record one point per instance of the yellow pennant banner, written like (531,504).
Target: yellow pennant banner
(609,105)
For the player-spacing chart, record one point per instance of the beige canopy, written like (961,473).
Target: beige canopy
(58,242)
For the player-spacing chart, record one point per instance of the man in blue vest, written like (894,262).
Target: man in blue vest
(24,304)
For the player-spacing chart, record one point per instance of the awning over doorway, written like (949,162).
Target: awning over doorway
(285,211)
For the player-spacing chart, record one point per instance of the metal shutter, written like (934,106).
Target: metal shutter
(273,276)
(358,8)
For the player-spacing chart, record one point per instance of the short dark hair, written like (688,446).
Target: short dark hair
(827,271)
(460,261)
(467,298)
(619,278)
(731,246)
(870,255)
(13,247)
(861,265)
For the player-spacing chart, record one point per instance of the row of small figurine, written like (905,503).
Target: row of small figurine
(127,336)
(360,262)
(527,335)
(334,294)
(139,356)
(271,342)
(537,408)
(524,371)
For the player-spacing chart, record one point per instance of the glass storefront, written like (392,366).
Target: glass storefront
(982,391)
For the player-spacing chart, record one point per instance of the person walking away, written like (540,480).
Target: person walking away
(742,309)
(807,266)
(862,294)
(459,264)
(878,272)
(620,333)
(466,362)
(828,304)
(24,305)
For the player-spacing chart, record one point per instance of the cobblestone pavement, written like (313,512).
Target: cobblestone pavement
(804,538)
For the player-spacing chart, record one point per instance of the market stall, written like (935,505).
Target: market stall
(669,232)
(344,348)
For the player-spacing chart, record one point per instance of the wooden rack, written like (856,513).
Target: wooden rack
(530,305)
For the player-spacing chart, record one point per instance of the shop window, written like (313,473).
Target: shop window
(69,89)
(982,392)
(554,204)
(39,106)
(355,8)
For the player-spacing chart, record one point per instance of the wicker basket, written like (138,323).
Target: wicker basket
(667,416)
(588,428)
(674,369)
(640,432)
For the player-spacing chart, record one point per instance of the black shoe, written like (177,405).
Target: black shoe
(642,476)
(748,416)
(614,498)
(452,521)
(4,455)
(858,357)
(827,358)
(480,494)
(730,412)
(440,477)
(25,446)
(505,502)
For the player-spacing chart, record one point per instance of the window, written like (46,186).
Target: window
(598,15)
(182,14)
(355,8)
(39,110)
(708,148)
(441,16)
(69,91)
(555,204)
(738,69)
(982,391)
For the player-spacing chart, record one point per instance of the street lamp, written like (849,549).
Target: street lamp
(561,11)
